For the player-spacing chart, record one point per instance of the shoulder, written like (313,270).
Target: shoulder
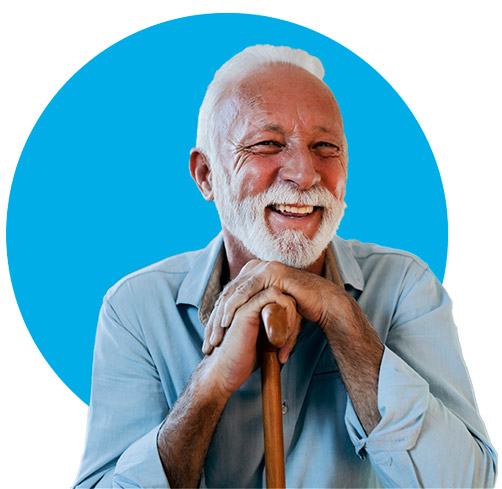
(369,253)
(168,273)
(395,286)
(167,282)
(380,266)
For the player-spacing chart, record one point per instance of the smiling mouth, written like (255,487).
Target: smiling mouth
(292,210)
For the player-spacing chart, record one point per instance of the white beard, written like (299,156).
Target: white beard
(246,221)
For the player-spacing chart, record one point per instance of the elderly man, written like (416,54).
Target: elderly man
(375,390)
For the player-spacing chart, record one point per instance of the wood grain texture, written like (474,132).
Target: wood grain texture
(275,322)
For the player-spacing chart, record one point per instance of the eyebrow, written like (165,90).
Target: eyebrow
(323,129)
(277,128)
(272,128)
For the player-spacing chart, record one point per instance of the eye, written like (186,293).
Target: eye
(326,150)
(266,147)
(268,143)
(324,144)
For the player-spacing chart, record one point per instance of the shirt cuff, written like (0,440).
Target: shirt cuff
(402,401)
(140,465)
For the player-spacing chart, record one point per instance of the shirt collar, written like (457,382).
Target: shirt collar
(349,269)
(202,284)
(202,269)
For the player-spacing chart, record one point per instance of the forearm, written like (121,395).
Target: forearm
(418,428)
(186,433)
(358,352)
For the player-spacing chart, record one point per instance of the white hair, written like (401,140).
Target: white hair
(238,66)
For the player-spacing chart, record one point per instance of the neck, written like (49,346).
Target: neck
(238,255)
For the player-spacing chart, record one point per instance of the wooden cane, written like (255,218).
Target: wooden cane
(275,322)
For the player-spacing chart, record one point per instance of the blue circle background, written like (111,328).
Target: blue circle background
(102,187)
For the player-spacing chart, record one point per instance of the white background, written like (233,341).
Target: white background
(443,58)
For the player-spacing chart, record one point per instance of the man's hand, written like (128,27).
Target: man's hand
(236,315)
(314,297)
(234,360)
(351,337)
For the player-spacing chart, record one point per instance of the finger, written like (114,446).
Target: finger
(285,351)
(216,335)
(214,312)
(218,312)
(242,290)
(213,333)
(219,309)
(213,321)
(292,314)
(206,345)
(250,312)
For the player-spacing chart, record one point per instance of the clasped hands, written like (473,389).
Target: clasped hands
(232,330)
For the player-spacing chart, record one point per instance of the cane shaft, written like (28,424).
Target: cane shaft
(272,401)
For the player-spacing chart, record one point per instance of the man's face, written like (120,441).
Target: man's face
(280,182)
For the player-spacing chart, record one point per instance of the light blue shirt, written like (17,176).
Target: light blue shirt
(149,340)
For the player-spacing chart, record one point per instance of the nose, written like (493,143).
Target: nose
(300,169)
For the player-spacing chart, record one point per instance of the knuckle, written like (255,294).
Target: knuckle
(276,291)
(245,287)
(241,288)
(290,299)
(250,265)
(271,266)
(224,293)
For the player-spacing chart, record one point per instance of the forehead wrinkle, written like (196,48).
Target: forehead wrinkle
(249,127)
(253,127)
(248,110)
(262,126)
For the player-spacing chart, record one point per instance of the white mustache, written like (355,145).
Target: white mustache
(246,220)
(282,193)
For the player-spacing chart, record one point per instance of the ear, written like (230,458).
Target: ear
(201,173)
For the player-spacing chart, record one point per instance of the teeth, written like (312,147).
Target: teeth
(306,209)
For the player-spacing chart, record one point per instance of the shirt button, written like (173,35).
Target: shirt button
(284,407)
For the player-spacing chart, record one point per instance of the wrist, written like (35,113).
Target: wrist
(337,310)
(210,380)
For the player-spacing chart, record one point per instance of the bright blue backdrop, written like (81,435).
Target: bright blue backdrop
(102,187)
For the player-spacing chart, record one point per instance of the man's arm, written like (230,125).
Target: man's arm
(431,433)
(413,413)
(134,437)
(128,405)
(351,337)
(358,352)
(186,433)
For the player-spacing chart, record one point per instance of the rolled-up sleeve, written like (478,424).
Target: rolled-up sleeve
(126,410)
(430,433)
